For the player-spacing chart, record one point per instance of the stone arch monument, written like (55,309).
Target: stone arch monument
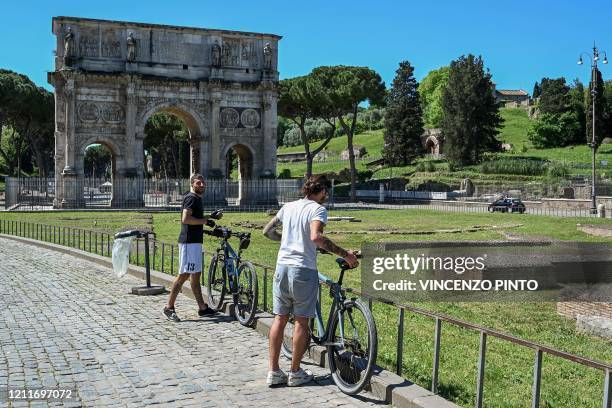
(110,77)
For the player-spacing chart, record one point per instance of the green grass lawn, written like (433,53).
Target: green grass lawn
(509,367)
(514,129)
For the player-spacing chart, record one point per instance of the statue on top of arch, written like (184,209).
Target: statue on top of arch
(131,47)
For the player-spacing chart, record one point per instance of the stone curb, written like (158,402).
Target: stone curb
(385,385)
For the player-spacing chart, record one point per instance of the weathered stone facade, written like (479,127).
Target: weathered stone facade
(110,77)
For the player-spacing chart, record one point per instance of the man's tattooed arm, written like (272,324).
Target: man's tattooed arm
(316,236)
(270,230)
(328,245)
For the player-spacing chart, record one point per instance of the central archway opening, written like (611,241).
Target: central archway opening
(167,158)
(167,152)
(98,173)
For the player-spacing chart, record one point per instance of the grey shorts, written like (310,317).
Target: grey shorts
(295,291)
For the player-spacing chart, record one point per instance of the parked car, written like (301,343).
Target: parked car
(507,205)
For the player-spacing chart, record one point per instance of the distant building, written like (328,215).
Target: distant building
(512,97)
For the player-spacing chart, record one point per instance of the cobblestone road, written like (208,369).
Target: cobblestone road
(69,323)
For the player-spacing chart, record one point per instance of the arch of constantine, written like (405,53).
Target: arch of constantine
(110,77)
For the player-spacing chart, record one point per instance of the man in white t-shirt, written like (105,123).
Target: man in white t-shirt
(296,279)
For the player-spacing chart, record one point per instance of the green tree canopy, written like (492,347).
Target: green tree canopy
(29,110)
(561,120)
(15,154)
(576,106)
(297,103)
(403,118)
(608,109)
(554,130)
(339,90)
(601,130)
(430,93)
(555,96)
(537,91)
(471,117)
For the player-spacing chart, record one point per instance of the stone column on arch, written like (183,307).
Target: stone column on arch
(132,183)
(60,142)
(71,183)
(204,164)
(215,135)
(268,193)
(194,147)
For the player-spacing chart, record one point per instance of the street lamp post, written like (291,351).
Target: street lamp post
(593,143)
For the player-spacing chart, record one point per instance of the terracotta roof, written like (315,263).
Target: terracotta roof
(512,92)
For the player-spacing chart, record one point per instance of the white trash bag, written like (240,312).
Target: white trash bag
(121,255)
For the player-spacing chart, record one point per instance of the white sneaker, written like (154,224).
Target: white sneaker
(299,377)
(276,377)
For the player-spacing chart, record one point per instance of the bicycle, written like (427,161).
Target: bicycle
(350,336)
(234,276)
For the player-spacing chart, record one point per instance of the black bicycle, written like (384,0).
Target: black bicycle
(228,273)
(350,336)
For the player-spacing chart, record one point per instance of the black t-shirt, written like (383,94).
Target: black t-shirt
(192,234)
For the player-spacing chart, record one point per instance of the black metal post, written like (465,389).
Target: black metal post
(147,267)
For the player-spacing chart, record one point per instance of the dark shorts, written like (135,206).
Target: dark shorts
(295,291)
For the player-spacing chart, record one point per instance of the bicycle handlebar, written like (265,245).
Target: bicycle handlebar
(226,233)
(341,261)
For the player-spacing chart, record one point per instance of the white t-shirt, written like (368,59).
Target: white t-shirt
(296,247)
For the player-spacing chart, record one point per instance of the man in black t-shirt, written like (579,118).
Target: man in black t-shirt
(190,248)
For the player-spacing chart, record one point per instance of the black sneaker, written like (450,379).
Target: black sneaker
(171,315)
(206,312)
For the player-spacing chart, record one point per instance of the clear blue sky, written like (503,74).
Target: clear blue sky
(521,41)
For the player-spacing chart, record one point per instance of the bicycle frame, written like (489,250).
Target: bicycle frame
(336,308)
(229,255)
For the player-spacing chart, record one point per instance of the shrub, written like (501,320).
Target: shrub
(518,166)
(557,171)
(555,130)
(427,166)
(365,175)
(285,174)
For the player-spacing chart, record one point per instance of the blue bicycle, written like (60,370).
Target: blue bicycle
(229,274)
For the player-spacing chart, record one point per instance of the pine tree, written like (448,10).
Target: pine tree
(403,118)
(554,97)
(537,91)
(471,116)
(600,111)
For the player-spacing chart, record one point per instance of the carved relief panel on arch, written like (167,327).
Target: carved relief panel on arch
(242,118)
(230,52)
(110,113)
(249,54)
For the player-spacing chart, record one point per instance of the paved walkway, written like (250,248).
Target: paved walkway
(69,323)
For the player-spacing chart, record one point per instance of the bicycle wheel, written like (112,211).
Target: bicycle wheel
(245,298)
(351,366)
(216,282)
